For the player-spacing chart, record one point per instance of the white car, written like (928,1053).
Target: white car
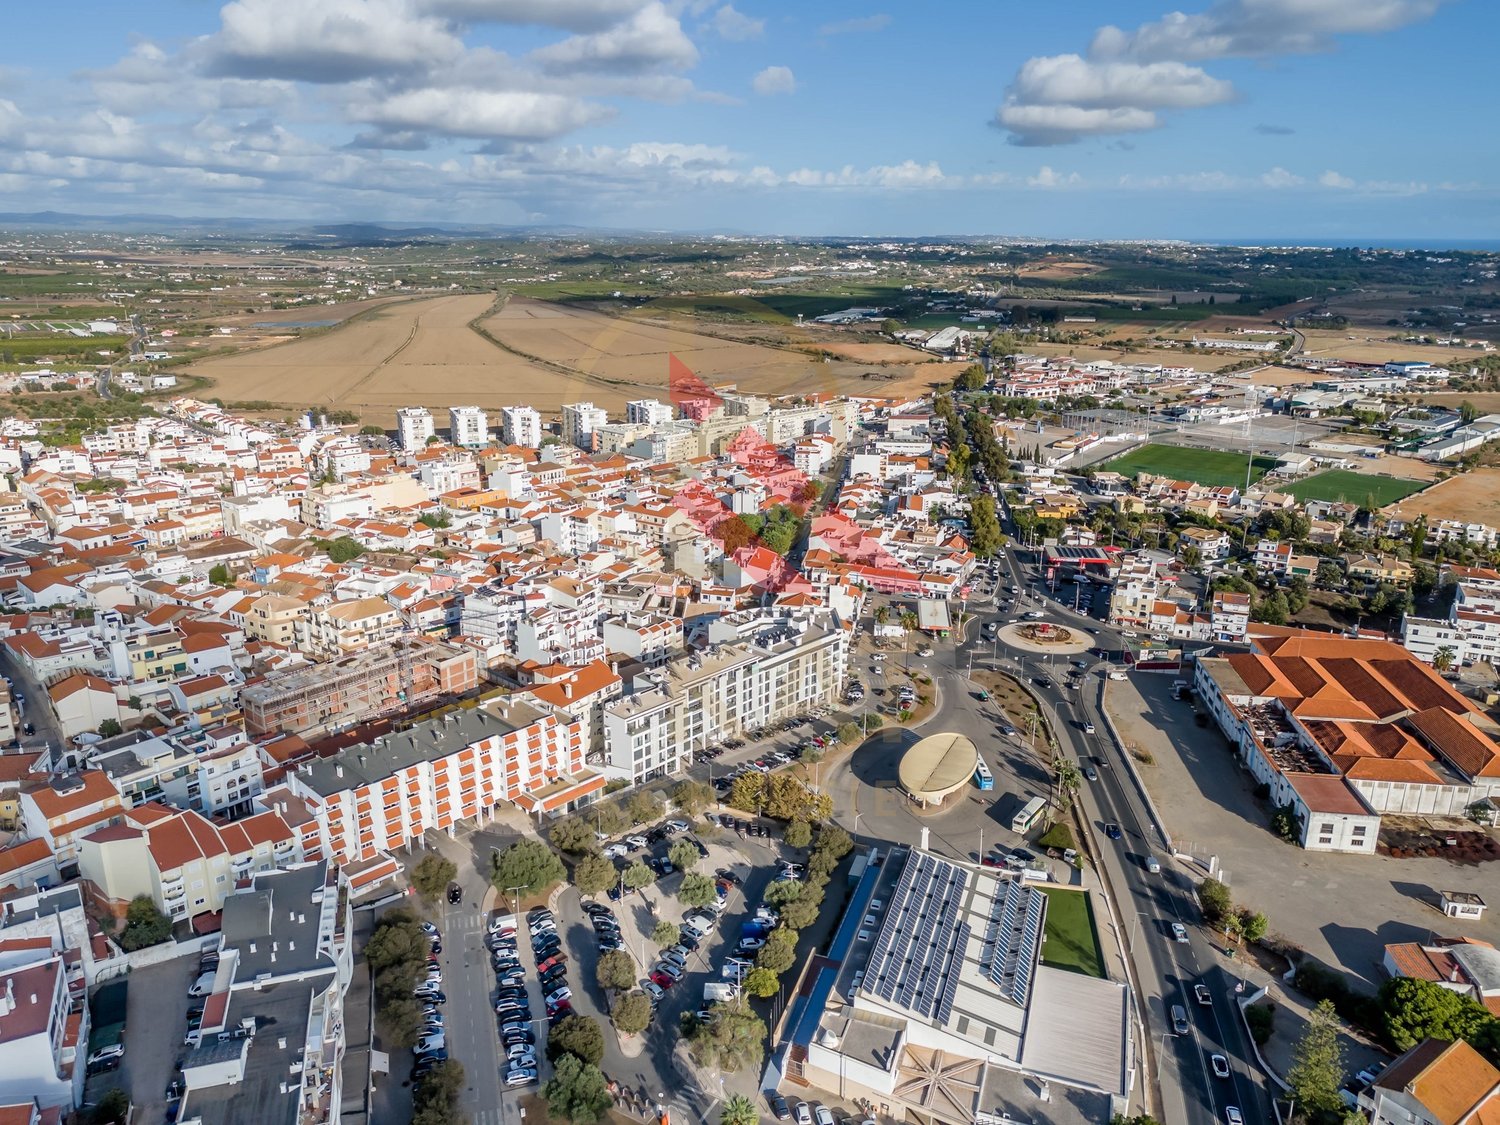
(822,1114)
(677,825)
(653,990)
(616,851)
(430,1043)
(636,841)
(875,658)
(803,1114)
(1220,1065)
(105,1054)
(1179,933)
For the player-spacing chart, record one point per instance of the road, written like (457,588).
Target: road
(34,710)
(1147,904)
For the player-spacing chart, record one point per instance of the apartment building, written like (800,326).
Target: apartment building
(648,412)
(1435,1083)
(782,668)
(414,426)
(521,425)
(43,1033)
(459,765)
(1471,631)
(67,807)
(340,628)
(468,427)
(548,621)
(183,862)
(274,619)
(404,675)
(580,420)
(272,1041)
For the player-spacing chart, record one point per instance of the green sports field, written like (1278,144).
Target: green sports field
(1204,466)
(1355,488)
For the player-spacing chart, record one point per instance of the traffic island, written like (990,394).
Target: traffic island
(1044,638)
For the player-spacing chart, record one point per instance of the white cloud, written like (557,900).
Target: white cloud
(1332,179)
(573,15)
(1046,177)
(508,114)
(774,80)
(1258,28)
(327,41)
(856,26)
(731,23)
(1128,76)
(1056,99)
(1280,178)
(650,38)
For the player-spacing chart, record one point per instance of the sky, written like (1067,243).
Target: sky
(1303,120)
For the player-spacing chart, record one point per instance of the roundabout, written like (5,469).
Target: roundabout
(1045,638)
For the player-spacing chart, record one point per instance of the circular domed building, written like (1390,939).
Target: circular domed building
(937,767)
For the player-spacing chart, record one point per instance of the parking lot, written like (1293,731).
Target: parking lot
(155,1023)
(1342,909)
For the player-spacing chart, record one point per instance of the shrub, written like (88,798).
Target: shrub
(1262,1019)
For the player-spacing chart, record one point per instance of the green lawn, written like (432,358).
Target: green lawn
(1072,938)
(1205,466)
(1355,488)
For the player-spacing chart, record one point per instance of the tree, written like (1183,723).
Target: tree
(683,855)
(801,914)
(696,890)
(638,875)
(578,1036)
(435,1101)
(739,1110)
(798,833)
(574,835)
(396,938)
(1443,658)
(644,806)
(1066,780)
(692,797)
(1254,925)
(1330,573)
(397,1012)
(666,933)
(1215,899)
(776,956)
(761,983)
(109,728)
(615,970)
(848,732)
(111,1108)
(219,575)
(632,1013)
(834,841)
(1318,1062)
(432,874)
(593,874)
(782,892)
(959,462)
(1418,1009)
(577,1092)
(341,550)
(1139,1118)
(144,925)
(732,1042)
(970,379)
(526,867)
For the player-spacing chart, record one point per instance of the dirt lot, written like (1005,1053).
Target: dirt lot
(1363,346)
(1473,497)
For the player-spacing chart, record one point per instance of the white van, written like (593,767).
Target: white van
(203,985)
(1153,865)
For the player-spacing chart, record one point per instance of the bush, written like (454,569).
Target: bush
(1216,901)
(632,1013)
(578,1036)
(1262,1019)
(144,925)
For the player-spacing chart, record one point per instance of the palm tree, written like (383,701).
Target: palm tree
(882,615)
(739,1110)
(1066,781)
(908,620)
(1443,658)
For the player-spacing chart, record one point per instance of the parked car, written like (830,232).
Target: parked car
(113,1053)
(524,1076)
(803,1114)
(778,1106)
(822,1114)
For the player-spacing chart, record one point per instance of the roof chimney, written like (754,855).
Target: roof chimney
(568,690)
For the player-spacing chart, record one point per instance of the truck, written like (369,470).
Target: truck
(721,993)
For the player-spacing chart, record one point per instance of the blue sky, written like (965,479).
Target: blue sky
(1316,120)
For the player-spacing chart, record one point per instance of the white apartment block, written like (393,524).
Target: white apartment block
(649,412)
(414,426)
(41,1057)
(580,420)
(783,670)
(468,426)
(521,425)
(1471,630)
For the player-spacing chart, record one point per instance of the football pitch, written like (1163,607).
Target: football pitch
(1203,466)
(1355,488)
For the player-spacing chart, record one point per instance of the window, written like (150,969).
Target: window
(1325,841)
(1359,829)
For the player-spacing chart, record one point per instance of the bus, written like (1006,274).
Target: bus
(1023,821)
(983,778)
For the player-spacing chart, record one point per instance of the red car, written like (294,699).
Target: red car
(661,980)
(992,861)
(551,962)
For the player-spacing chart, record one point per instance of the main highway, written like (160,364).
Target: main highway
(1146,904)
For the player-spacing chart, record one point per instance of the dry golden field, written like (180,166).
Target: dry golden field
(424,353)
(1473,497)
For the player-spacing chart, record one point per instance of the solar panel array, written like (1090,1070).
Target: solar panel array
(1013,937)
(919,951)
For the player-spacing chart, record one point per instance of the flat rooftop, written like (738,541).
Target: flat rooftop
(269,1091)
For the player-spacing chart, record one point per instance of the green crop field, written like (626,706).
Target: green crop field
(1072,938)
(1205,466)
(1355,488)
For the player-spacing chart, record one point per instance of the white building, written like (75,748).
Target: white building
(521,425)
(41,1055)
(468,426)
(580,420)
(414,426)
(1471,631)
(647,411)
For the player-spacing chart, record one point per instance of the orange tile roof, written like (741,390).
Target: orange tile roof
(96,788)
(1452,1081)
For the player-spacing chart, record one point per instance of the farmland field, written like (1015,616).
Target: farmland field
(1355,488)
(424,353)
(1204,466)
